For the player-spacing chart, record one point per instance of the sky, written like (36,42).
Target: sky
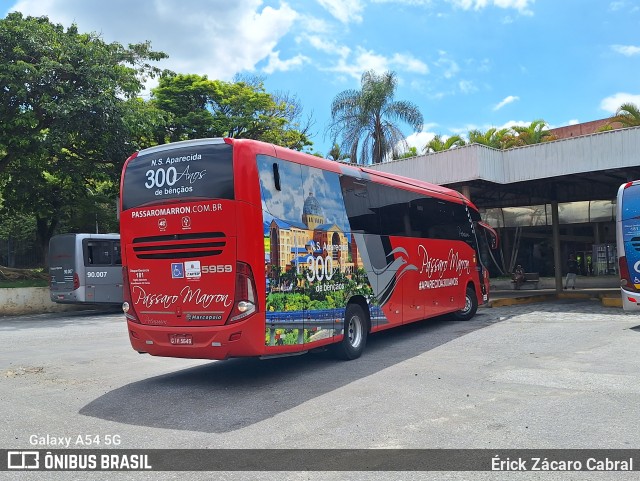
(466,64)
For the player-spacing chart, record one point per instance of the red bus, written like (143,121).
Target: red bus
(241,248)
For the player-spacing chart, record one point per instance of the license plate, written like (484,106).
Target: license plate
(181,339)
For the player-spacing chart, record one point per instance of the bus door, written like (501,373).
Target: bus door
(487,241)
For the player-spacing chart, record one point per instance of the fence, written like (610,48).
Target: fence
(19,254)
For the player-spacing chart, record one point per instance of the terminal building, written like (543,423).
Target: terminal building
(546,200)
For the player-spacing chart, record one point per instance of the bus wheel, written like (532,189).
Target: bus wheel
(355,334)
(470,306)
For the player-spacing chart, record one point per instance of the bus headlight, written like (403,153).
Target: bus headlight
(125,307)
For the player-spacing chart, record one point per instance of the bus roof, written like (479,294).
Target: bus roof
(284,153)
(407,183)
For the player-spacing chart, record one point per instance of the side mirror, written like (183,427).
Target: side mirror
(491,234)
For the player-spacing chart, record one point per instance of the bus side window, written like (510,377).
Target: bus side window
(98,253)
(393,209)
(355,193)
(88,255)
(288,190)
(435,219)
(429,218)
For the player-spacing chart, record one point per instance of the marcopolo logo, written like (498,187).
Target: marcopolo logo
(23,460)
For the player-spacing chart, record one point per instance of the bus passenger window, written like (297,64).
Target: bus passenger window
(98,253)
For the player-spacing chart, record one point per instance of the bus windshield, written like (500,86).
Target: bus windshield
(192,171)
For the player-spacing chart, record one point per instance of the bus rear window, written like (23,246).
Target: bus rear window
(188,172)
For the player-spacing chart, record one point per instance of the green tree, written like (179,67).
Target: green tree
(411,152)
(62,108)
(535,133)
(199,107)
(497,139)
(628,115)
(365,119)
(184,98)
(336,153)
(438,145)
(147,124)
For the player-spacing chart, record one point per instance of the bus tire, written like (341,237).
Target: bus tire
(355,334)
(470,306)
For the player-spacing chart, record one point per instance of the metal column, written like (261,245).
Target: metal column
(557,260)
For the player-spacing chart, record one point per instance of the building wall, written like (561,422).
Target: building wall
(581,129)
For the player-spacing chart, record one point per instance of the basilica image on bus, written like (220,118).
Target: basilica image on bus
(311,263)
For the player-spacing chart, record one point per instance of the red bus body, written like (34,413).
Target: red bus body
(241,248)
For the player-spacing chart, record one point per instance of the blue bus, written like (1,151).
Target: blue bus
(628,243)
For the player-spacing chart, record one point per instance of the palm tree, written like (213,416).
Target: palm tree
(628,115)
(336,154)
(412,152)
(438,145)
(534,133)
(364,119)
(498,139)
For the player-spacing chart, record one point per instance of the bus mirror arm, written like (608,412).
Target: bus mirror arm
(493,235)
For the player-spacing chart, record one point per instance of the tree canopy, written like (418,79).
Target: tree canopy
(438,145)
(71,114)
(534,133)
(498,139)
(199,107)
(365,119)
(510,137)
(628,115)
(63,109)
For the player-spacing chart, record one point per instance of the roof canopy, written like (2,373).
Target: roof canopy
(589,167)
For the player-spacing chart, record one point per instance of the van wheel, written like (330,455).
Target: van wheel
(355,334)
(470,306)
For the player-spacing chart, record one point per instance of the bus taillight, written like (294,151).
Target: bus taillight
(245,296)
(625,278)
(76,281)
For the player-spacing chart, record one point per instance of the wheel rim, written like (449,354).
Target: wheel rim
(467,304)
(354,331)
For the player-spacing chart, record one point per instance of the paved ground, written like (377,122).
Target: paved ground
(561,374)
